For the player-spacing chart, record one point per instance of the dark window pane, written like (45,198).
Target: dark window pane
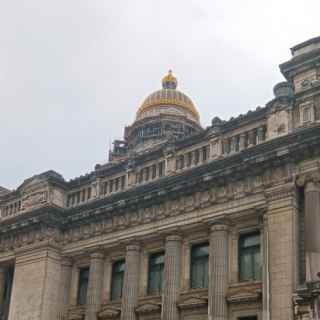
(83,286)
(156,269)
(117,279)
(199,266)
(249,257)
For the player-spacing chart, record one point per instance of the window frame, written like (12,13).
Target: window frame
(203,262)
(117,276)
(158,268)
(251,251)
(81,297)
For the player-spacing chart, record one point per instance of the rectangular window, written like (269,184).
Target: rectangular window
(248,318)
(123,182)
(117,279)
(199,266)
(83,286)
(156,269)
(189,159)
(204,154)
(249,257)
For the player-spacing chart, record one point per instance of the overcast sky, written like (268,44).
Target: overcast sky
(74,72)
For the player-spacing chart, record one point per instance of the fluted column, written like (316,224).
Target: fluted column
(242,141)
(218,272)
(65,282)
(107,275)
(312,227)
(2,284)
(172,272)
(74,285)
(94,286)
(252,138)
(233,144)
(265,269)
(131,283)
(261,134)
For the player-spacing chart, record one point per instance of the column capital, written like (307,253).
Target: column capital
(219,224)
(173,237)
(133,247)
(308,179)
(96,256)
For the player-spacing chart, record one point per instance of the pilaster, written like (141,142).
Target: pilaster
(94,286)
(131,282)
(218,272)
(172,271)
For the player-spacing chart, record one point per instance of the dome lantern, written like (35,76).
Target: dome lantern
(169,81)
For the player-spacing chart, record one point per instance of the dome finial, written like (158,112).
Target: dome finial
(169,81)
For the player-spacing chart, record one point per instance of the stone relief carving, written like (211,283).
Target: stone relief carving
(34,199)
(277,124)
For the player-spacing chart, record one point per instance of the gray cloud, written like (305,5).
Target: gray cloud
(73,73)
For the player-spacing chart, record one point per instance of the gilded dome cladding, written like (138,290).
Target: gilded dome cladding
(168,98)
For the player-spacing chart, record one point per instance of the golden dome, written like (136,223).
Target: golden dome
(167,99)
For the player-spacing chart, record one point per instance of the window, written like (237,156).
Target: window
(83,286)
(204,154)
(249,257)
(156,267)
(248,318)
(199,266)
(306,114)
(189,159)
(117,279)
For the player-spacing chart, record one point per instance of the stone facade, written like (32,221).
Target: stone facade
(230,214)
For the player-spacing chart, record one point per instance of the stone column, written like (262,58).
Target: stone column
(74,285)
(172,272)
(265,269)
(107,275)
(94,286)
(226,146)
(312,227)
(242,141)
(218,272)
(2,284)
(233,144)
(65,282)
(261,134)
(252,138)
(131,283)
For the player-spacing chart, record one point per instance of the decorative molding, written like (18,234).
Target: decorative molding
(109,312)
(148,307)
(193,302)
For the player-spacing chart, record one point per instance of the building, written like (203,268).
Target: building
(183,222)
